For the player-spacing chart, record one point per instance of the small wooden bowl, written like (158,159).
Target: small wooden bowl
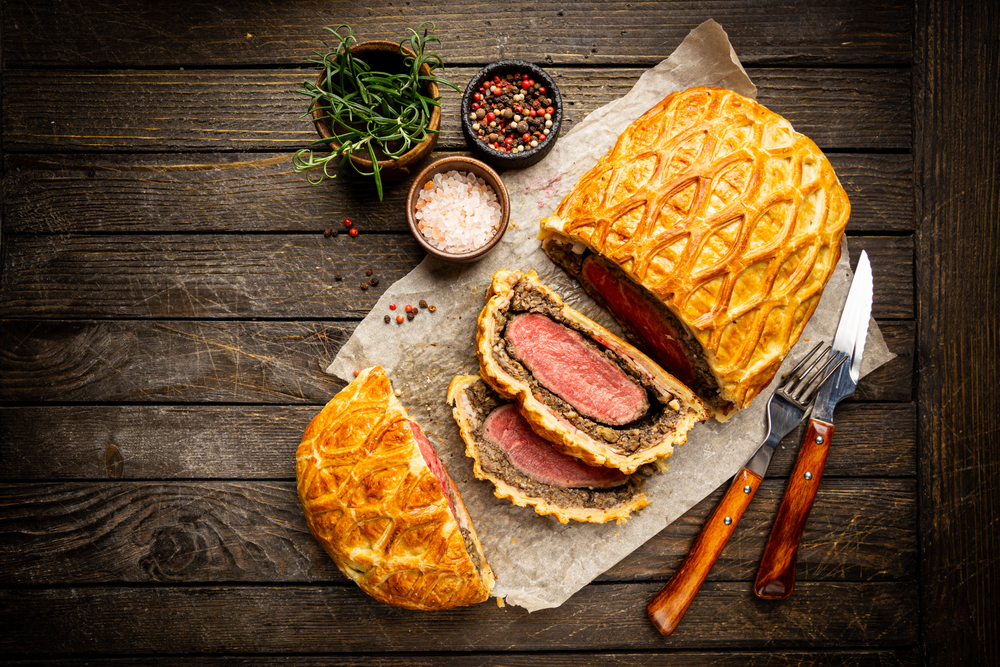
(466,164)
(385,56)
(494,157)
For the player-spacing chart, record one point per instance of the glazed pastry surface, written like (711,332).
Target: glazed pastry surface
(726,215)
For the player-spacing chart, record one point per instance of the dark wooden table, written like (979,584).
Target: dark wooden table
(168,306)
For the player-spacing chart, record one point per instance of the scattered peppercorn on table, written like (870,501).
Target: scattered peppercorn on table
(171,293)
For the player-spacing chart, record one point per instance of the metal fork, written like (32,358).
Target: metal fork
(785,409)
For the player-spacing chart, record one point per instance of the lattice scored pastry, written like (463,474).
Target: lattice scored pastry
(709,231)
(377,498)
(585,390)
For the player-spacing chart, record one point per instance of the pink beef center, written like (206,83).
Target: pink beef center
(536,458)
(432,461)
(628,303)
(563,364)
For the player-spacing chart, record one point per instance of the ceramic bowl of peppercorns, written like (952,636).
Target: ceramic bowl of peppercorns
(511,114)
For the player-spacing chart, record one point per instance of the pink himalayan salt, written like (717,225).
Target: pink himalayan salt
(457,212)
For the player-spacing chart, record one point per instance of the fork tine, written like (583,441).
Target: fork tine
(808,359)
(822,374)
(817,368)
(794,378)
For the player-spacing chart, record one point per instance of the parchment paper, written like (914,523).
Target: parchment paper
(539,562)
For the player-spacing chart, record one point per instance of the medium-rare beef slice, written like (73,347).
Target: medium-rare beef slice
(645,320)
(567,365)
(537,458)
(659,414)
(474,403)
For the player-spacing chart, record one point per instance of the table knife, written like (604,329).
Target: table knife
(776,575)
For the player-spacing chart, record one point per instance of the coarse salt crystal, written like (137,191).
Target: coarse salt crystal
(459,212)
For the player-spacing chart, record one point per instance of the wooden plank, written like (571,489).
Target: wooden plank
(342,619)
(958,278)
(254,532)
(242,110)
(804,31)
(224,276)
(293,276)
(771,658)
(240,362)
(184,361)
(257,441)
(892,268)
(227,192)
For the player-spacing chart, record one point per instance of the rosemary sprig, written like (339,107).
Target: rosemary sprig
(375,112)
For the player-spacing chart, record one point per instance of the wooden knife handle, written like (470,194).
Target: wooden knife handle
(776,575)
(668,607)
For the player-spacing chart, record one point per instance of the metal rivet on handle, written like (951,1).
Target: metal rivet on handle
(728,520)
(747,489)
(819,440)
(808,475)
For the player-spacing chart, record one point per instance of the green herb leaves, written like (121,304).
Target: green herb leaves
(380,115)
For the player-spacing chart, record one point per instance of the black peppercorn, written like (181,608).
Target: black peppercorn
(373,282)
(369,272)
(326,233)
(338,277)
(386,319)
(409,316)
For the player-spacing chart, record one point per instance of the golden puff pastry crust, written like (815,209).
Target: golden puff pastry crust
(600,506)
(729,217)
(594,444)
(372,501)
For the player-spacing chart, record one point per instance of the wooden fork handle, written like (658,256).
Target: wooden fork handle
(668,607)
(776,575)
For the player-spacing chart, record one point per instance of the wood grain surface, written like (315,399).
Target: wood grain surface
(958,288)
(249,33)
(294,276)
(237,192)
(189,361)
(253,531)
(769,658)
(255,441)
(342,619)
(251,109)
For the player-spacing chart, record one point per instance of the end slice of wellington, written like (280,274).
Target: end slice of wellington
(379,501)
(589,393)
(527,470)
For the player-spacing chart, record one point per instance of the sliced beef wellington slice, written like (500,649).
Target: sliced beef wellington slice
(528,470)
(591,394)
